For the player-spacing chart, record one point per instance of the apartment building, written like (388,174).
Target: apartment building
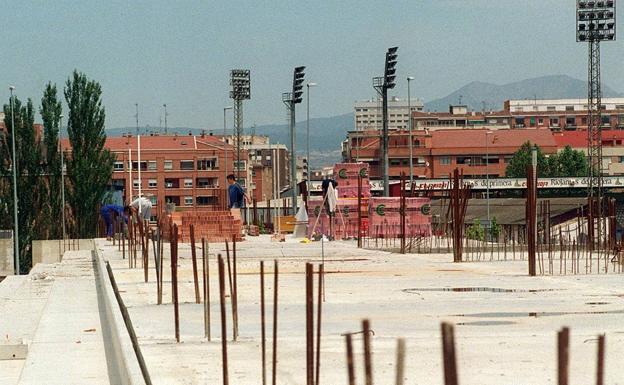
(612,148)
(476,152)
(368,113)
(186,171)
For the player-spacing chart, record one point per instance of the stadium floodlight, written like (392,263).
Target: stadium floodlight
(390,69)
(298,78)
(595,20)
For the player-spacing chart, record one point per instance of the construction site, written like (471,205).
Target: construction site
(402,290)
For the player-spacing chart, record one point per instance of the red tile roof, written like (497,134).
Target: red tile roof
(578,139)
(497,139)
(162,143)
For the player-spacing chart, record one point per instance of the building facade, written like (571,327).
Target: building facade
(186,171)
(368,113)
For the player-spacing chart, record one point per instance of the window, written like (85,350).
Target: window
(606,119)
(540,121)
(532,121)
(135,183)
(151,165)
(152,183)
(584,121)
(168,165)
(188,183)
(445,160)
(240,165)
(118,166)
(188,201)
(187,165)
(268,157)
(554,122)
(550,108)
(570,121)
(207,164)
(569,108)
(154,200)
(619,106)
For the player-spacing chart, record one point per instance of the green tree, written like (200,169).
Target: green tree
(495,229)
(572,162)
(30,189)
(90,166)
(476,231)
(50,111)
(517,167)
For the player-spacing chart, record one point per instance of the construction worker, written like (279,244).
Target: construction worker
(236,196)
(142,206)
(107,212)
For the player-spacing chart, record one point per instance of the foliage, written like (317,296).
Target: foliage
(30,186)
(567,163)
(50,111)
(90,166)
(495,229)
(475,231)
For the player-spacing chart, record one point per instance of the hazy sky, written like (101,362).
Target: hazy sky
(180,52)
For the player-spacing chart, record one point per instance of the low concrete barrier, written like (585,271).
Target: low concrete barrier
(123,364)
(51,251)
(7,265)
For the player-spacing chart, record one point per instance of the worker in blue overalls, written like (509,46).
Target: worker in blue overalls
(107,212)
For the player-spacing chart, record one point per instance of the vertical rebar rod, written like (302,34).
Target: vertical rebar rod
(448,354)
(400,364)
(194,261)
(563,345)
(206,279)
(275,297)
(174,281)
(350,366)
(309,301)
(263,322)
(235,294)
(368,364)
(601,359)
(318,323)
(223,320)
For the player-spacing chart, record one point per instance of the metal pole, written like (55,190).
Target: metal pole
(293,158)
(384,137)
(136,105)
(165,105)
(487,176)
(308,138)
(62,175)
(411,145)
(14,166)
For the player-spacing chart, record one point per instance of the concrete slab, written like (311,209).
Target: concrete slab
(503,336)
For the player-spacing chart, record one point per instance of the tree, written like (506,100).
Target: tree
(51,115)
(572,162)
(90,166)
(517,167)
(30,189)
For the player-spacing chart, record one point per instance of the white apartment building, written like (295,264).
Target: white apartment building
(368,113)
(552,105)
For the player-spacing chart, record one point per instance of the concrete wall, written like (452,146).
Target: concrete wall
(7,267)
(51,251)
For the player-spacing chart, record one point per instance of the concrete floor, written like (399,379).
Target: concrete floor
(503,337)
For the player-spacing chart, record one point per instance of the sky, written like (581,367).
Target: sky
(180,52)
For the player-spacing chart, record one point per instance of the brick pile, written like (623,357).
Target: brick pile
(214,226)
(345,220)
(346,175)
(385,217)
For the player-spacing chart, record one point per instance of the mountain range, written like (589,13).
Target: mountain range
(327,134)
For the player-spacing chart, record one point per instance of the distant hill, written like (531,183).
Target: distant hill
(327,134)
(545,87)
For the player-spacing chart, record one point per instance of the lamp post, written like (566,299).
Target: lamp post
(411,144)
(487,175)
(62,175)
(14,166)
(225,146)
(308,134)
(165,105)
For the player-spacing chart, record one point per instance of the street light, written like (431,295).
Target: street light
(308,133)
(411,151)
(14,166)
(62,174)
(487,175)
(224,145)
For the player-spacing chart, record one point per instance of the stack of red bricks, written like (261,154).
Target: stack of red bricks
(214,226)
(347,174)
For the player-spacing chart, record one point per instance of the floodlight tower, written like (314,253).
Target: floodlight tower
(290,99)
(595,22)
(382,85)
(240,81)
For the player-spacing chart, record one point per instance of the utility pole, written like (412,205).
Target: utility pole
(411,141)
(62,175)
(165,105)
